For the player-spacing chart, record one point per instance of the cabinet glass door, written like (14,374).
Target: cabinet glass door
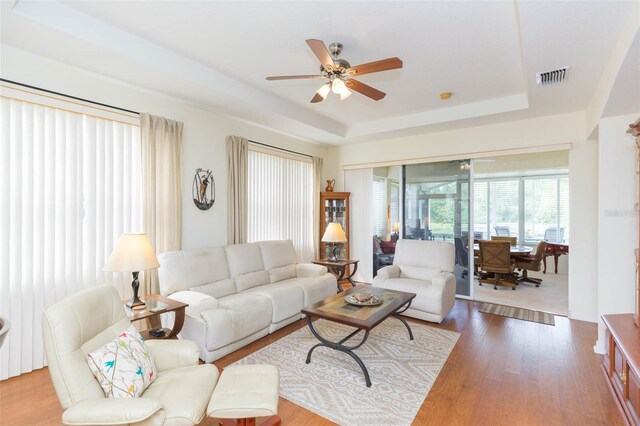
(335,210)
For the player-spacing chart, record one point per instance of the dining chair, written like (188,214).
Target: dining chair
(551,235)
(502,231)
(495,259)
(532,263)
(512,240)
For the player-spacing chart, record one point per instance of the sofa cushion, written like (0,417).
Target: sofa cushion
(427,254)
(217,289)
(282,273)
(237,316)
(287,300)
(277,253)
(418,273)
(244,258)
(182,270)
(252,279)
(315,288)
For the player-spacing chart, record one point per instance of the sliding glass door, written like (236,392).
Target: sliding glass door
(436,207)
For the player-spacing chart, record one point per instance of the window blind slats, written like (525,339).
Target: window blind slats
(64,181)
(281,201)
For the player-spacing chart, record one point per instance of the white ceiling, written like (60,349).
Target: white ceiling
(217,54)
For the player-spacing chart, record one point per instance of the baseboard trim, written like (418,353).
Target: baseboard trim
(599,347)
(583,317)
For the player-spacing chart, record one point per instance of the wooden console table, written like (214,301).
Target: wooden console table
(621,364)
(152,316)
(555,250)
(339,268)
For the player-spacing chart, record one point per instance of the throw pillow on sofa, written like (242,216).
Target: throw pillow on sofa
(388,247)
(123,367)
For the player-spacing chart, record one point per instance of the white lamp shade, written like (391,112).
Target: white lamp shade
(132,253)
(396,227)
(334,234)
(324,90)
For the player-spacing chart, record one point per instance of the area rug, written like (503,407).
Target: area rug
(402,371)
(518,313)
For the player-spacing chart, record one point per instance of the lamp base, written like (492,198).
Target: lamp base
(135,302)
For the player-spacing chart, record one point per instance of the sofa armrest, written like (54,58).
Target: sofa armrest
(310,270)
(114,411)
(170,354)
(198,302)
(391,271)
(443,279)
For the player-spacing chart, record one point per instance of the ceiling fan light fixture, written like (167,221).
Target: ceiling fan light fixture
(338,87)
(345,94)
(324,90)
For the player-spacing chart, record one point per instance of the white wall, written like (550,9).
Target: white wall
(360,184)
(533,135)
(583,216)
(204,132)
(617,218)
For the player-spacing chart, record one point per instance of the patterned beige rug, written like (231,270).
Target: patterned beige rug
(332,385)
(518,313)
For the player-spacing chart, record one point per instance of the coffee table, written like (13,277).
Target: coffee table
(363,318)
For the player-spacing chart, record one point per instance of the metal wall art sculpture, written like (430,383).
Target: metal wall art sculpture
(203,189)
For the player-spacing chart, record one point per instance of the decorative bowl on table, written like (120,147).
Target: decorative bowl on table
(363,299)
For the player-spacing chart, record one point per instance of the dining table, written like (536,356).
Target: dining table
(515,251)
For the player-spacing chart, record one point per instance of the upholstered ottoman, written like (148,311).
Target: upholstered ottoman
(245,392)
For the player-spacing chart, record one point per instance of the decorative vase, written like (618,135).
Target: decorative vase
(330,183)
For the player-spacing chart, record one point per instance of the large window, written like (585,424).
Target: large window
(71,185)
(530,208)
(281,199)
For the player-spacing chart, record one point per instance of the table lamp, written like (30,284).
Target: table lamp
(395,232)
(334,234)
(132,253)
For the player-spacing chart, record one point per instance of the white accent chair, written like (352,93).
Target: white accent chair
(426,269)
(88,320)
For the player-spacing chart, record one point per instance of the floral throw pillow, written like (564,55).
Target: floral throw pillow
(123,367)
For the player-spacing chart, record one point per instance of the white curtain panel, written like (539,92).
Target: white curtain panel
(162,188)
(237,156)
(360,184)
(281,199)
(317,187)
(70,186)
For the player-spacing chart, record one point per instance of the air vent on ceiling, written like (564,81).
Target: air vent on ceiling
(551,77)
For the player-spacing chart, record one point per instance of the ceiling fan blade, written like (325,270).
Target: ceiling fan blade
(321,52)
(377,66)
(292,77)
(316,98)
(366,90)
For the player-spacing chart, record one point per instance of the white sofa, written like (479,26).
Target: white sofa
(240,293)
(426,269)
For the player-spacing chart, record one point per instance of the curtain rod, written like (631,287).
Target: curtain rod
(281,149)
(68,96)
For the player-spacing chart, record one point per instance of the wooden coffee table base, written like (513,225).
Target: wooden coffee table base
(339,346)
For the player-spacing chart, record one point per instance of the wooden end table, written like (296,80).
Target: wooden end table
(151,313)
(339,268)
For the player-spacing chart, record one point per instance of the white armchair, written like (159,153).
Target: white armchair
(426,269)
(88,320)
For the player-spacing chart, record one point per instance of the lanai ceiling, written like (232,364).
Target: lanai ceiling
(217,55)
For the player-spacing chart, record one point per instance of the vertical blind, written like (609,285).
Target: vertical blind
(280,202)
(380,207)
(71,186)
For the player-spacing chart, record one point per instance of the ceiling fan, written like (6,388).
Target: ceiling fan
(340,73)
